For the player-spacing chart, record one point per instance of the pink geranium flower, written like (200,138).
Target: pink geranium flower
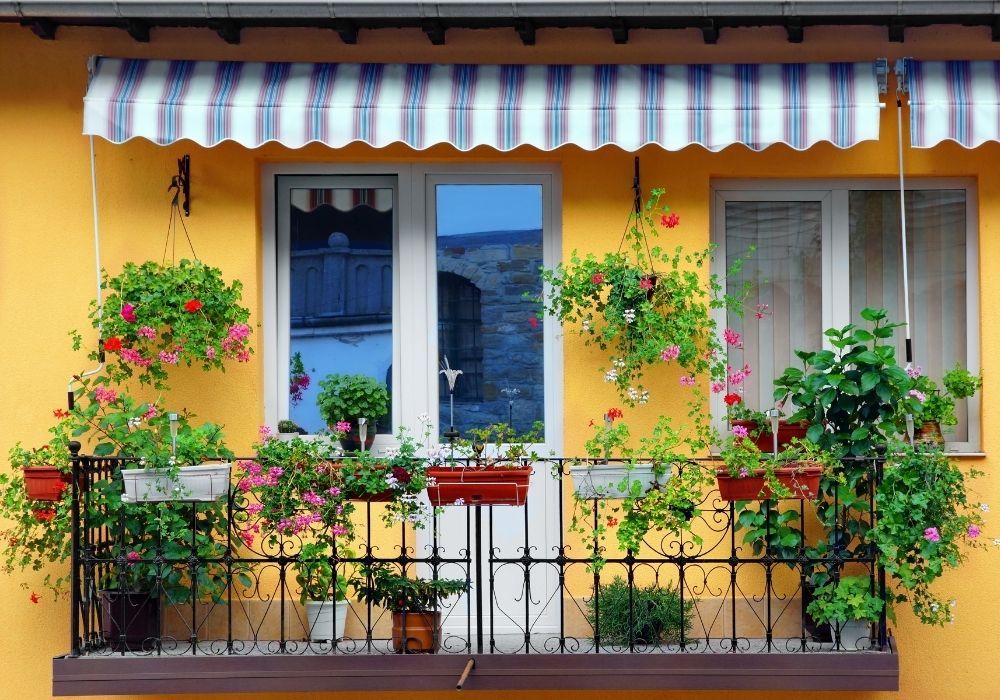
(931,534)
(128,312)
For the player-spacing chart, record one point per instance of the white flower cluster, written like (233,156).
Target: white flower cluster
(629,315)
(611,375)
(637,396)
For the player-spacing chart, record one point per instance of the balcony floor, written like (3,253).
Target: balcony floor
(305,667)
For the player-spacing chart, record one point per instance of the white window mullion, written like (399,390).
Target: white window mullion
(836,261)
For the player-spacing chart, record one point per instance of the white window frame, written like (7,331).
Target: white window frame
(413,314)
(833,196)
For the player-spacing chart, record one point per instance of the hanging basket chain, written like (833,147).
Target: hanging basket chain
(174,219)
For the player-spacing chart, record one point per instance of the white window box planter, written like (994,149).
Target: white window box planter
(604,480)
(203,482)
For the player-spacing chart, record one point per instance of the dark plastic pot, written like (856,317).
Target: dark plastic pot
(134,614)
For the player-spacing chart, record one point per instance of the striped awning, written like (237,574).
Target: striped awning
(503,106)
(953,101)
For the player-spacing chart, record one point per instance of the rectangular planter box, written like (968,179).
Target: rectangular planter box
(803,482)
(603,480)
(479,485)
(203,482)
(45,483)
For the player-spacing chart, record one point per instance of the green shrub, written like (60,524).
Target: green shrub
(656,614)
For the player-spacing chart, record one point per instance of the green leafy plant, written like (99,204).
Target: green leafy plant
(645,305)
(315,574)
(347,397)
(379,584)
(38,536)
(508,446)
(850,395)
(961,383)
(156,316)
(609,437)
(926,524)
(929,403)
(849,598)
(645,615)
(288,426)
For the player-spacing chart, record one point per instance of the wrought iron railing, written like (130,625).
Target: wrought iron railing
(735,583)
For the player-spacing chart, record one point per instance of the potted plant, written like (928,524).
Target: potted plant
(396,476)
(933,408)
(850,606)
(926,525)
(37,535)
(647,615)
(626,478)
(644,304)
(355,399)
(156,316)
(499,475)
(413,602)
(750,474)
(758,425)
(45,471)
(288,430)
(323,591)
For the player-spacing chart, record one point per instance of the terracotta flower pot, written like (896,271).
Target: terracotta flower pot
(493,485)
(45,483)
(786,432)
(801,479)
(929,433)
(416,632)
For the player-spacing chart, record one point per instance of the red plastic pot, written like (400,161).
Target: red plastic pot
(493,485)
(803,480)
(786,431)
(45,483)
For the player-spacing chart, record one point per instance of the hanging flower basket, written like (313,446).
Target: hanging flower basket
(801,478)
(157,316)
(479,485)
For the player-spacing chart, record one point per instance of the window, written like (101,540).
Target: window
(823,253)
(364,261)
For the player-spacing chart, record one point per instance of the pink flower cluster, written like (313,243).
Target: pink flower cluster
(931,534)
(105,396)
(128,312)
(688,380)
(233,343)
(669,353)
(740,431)
(343,426)
(146,332)
(298,523)
(169,358)
(732,337)
(737,376)
(134,357)
(718,387)
(313,499)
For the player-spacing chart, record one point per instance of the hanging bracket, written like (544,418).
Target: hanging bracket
(181,184)
(636,189)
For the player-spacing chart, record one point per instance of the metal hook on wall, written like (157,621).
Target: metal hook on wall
(181,184)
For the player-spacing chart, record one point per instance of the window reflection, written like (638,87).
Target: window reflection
(489,251)
(341,289)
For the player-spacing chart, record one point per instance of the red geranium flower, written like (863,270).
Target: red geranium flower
(670,221)
(402,476)
(192,306)
(614,413)
(533,322)
(733,399)
(114,344)
(34,598)
(44,515)
(59,413)
(597,278)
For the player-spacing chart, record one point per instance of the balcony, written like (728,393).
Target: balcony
(222,610)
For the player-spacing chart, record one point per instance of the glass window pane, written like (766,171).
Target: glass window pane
(936,245)
(786,274)
(341,289)
(489,251)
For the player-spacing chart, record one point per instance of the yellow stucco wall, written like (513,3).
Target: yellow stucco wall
(47,260)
